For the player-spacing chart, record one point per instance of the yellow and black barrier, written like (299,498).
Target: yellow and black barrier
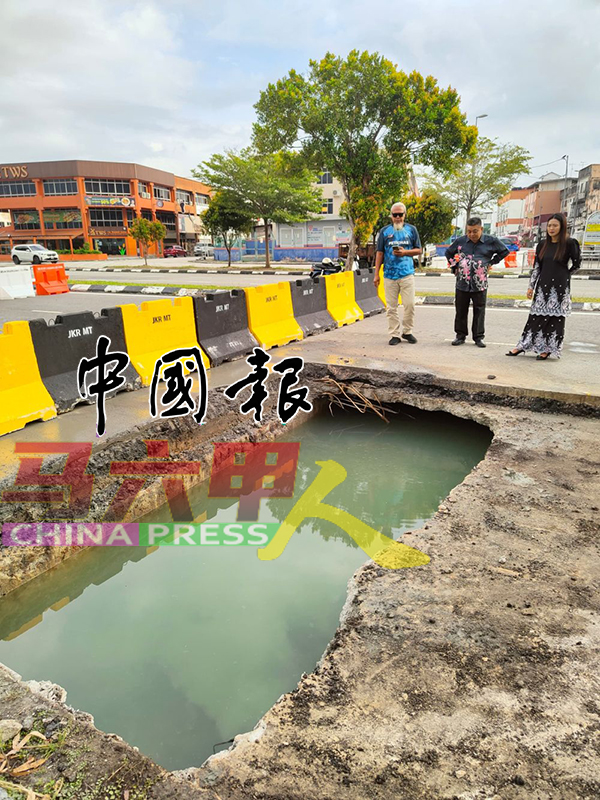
(341,298)
(271,315)
(23,396)
(156,328)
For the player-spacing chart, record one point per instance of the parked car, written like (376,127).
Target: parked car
(174,250)
(512,242)
(33,254)
(204,250)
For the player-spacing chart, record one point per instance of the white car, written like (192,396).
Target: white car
(204,250)
(33,254)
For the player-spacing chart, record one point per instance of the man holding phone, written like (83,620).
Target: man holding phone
(396,245)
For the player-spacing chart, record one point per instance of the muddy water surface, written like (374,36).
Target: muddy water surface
(178,650)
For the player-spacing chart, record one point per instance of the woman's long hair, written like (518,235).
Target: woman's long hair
(562,238)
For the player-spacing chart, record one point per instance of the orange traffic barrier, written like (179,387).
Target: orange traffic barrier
(50,279)
(510,260)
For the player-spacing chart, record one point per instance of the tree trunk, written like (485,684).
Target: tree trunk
(145,248)
(228,254)
(267,259)
(352,247)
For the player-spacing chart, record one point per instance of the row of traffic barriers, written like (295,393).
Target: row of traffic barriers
(39,360)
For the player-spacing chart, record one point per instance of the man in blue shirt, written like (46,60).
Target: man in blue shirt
(469,258)
(396,245)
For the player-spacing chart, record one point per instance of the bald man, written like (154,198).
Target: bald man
(397,243)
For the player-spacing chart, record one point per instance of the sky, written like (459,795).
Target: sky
(166,84)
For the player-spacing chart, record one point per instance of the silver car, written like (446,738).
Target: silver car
(33,254)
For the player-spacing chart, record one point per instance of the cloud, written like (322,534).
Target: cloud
(167,84)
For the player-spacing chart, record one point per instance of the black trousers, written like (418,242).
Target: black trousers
(462,300)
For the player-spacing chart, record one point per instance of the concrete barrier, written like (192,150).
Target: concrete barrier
(222,325)
(367,297)
(309,301)
(16,282)
(60,345)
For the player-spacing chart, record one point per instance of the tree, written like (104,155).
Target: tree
(275,186)
(227,218)
(484,176)
(157,231)
(140,229)
(364,120)
(432,215)
(145,232)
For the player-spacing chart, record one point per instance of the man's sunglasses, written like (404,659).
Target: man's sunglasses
(401,214)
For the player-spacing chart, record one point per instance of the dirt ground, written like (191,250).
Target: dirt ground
(475,676)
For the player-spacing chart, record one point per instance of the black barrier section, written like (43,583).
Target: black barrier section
(309,302)
(222,325)
(60,345)
(365,291)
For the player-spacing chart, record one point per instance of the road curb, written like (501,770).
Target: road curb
(427,300)
(300,272)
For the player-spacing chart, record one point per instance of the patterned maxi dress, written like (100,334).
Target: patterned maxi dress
(550,281)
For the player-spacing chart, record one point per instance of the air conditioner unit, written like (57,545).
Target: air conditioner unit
(335,192)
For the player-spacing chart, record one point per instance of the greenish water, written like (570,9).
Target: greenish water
(179,649)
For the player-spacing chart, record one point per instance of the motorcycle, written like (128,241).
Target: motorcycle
(329,266)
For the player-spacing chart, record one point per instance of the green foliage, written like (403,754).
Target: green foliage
(145,232)
(227,218)
(431,214)
(157,231)
(364,120)
(482,178)
(80,251)
(275,186)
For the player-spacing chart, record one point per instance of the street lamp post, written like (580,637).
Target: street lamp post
(481,116)
(565,158)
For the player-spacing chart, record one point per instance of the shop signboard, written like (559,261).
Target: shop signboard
(101,200)
(591,237)
(64,215)
(26,217)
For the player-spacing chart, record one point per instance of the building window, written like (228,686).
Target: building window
(168,220)
(327,205)
(326,177)
(26,220)
(106,218)
(202,199)
(162,193)
(60,187)
(143,190)
(17,189)
(182,196)
(147,214)
(60,218)
(130,216)
(94,186)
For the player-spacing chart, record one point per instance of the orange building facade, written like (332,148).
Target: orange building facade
(66,204)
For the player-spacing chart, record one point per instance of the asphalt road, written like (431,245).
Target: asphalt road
(435,285)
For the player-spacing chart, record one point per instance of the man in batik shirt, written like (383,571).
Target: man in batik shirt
(470,258)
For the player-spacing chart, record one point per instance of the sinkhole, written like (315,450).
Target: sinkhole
(179,649)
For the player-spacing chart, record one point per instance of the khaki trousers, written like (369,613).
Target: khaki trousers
(405,287)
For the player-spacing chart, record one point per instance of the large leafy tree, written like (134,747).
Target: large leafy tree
(276,186)
(364,120)
(227,218)
(432,215)
(487,174)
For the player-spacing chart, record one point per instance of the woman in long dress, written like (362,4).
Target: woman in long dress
(549,285)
